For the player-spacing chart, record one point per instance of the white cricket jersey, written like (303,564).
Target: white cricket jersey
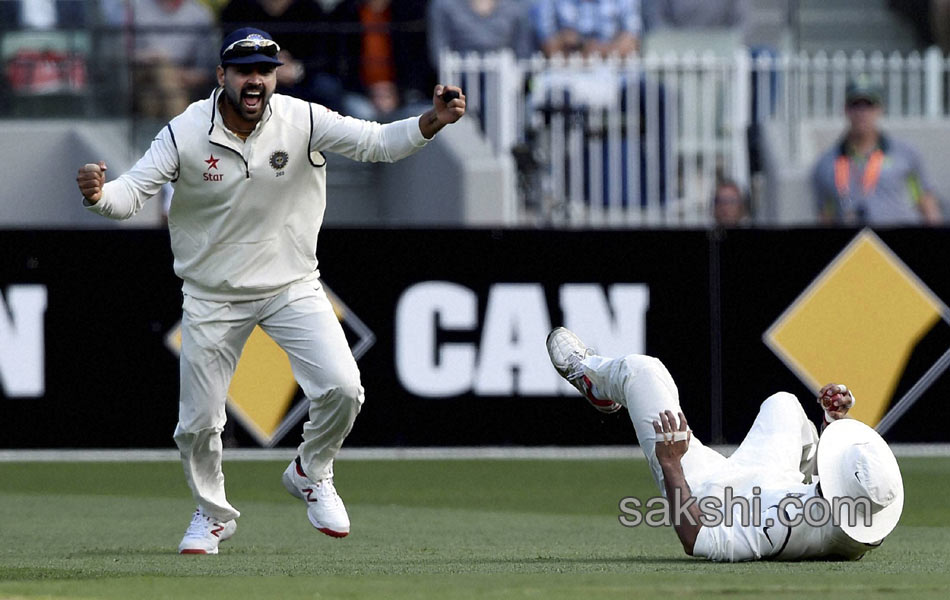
(246,215)
(770,539)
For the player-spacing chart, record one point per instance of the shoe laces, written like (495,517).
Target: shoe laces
(576,369)
(200,524)
(326,491)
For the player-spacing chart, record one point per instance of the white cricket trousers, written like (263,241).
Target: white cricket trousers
(300,320)
(771,453)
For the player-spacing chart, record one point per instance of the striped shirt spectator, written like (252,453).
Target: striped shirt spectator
(602,27)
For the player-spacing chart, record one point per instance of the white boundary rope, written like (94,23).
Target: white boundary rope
(449,453)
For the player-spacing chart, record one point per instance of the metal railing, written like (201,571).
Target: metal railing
(794,89)
(643,141)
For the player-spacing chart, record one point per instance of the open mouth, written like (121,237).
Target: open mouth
(252,99)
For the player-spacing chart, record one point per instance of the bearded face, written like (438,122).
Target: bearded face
(248,88)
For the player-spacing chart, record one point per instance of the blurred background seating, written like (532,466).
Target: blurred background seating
(749,93)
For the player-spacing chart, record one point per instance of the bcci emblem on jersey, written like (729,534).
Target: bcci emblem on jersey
(278,160)
(264,396)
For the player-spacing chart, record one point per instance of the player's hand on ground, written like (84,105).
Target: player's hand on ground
(836,399)
(449,103)
(90,179)
(672,440)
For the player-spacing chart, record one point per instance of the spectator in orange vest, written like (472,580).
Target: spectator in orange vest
(869,177)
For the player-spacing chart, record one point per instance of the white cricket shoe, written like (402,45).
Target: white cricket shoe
(325,508)
(205,533)
(567,351)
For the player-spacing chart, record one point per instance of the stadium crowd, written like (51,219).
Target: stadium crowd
(365,57)
(377,60)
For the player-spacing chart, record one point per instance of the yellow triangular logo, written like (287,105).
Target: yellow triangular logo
(857,324)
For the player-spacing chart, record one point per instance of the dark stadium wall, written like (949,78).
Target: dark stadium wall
(451,328)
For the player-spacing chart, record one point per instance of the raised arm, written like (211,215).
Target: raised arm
(368,141)
(124,196)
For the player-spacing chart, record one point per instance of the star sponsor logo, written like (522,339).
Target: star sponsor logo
(212,163)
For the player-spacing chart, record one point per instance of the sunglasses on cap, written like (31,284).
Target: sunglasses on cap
(254,44)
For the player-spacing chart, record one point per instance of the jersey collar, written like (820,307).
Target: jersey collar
(218,130)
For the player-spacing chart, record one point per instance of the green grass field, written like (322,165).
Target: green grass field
(421,529)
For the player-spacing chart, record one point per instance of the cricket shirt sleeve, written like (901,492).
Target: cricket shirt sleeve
(919,183)
(365,141)
(123,197)
(752,539)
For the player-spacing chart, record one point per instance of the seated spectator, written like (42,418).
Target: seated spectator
(393,78)
(175,52)
(590,27)
(48,55)
(694,14)
(730,208)
(43,14)
(479,26)
(314,55)
(869,177)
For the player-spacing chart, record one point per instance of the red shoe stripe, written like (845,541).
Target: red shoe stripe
(599,403)
(193,551)
(331,533)
(587,386)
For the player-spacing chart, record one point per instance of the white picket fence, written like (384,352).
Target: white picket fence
(641,142)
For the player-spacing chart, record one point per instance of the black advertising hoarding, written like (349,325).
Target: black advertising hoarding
(449,326)
(108,379)
(517,284)
(764,272)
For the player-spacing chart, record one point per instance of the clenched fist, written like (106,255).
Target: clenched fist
(836,400)
(90,179)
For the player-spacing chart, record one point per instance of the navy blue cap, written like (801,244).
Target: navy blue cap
(248,45)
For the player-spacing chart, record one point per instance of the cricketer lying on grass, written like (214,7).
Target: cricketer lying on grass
(782,456)
(250,193)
